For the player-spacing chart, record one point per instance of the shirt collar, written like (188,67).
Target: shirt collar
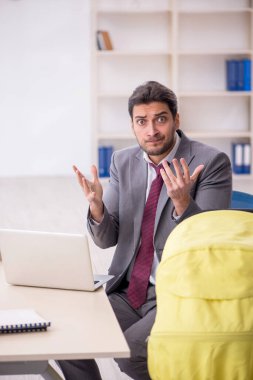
(170,156)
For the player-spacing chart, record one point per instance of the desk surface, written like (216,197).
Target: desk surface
(83,325)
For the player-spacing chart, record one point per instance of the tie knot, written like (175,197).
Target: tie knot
(157,168)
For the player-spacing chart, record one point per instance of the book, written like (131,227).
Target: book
(237,158)
(101,161)
(104,160)
(231,74)
(246,74)
(108,156)
(246,158)
(107,40)
(238,74)
(103,40)
(21,320)
(100,40)
(241,158)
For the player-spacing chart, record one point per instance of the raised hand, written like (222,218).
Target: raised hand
(179,184)
(93,192)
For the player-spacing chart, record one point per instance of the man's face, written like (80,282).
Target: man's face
(154,128)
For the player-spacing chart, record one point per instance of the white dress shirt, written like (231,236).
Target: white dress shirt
(151,177)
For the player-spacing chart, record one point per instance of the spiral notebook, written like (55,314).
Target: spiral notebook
(21,320)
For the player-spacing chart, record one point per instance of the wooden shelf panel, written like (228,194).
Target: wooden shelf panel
(211,11)
(223,52)
(133,11)
(131,53)
(214,93)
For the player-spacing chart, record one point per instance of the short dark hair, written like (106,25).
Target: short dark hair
(152,91)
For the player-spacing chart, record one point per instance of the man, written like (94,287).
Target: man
(142,204)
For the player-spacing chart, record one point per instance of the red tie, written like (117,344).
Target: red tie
(138,285)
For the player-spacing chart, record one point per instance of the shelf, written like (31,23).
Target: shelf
(123,53)
(185,94)
(138,36)
(219,135)
(109,95)
(133,11)
(115,136)
(211,11)
(223,52)
(214,94)
(183,44)
(243,177)
(217,30)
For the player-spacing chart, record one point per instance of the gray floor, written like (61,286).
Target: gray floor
(57,205)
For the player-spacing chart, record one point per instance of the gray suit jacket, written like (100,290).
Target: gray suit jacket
(125,196)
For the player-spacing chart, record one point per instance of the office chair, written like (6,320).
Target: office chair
(242,200)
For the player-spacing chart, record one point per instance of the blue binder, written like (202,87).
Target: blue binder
(246,158)
(237,158)
(246,63)
(231,74)
(104,160)
(108,156)
(241,158)
(101,161)
(238,74)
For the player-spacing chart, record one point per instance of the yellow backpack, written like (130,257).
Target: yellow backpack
(204,284)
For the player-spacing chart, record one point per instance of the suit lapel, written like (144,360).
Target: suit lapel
(184,149)
(138,177)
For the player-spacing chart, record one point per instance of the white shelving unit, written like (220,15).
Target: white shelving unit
(183,44)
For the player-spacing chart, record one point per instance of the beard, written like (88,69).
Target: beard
(159,150)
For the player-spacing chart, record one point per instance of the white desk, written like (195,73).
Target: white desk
(83,326)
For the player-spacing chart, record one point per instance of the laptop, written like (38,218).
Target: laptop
(46,259)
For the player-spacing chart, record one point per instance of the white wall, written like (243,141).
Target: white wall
(44,87)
